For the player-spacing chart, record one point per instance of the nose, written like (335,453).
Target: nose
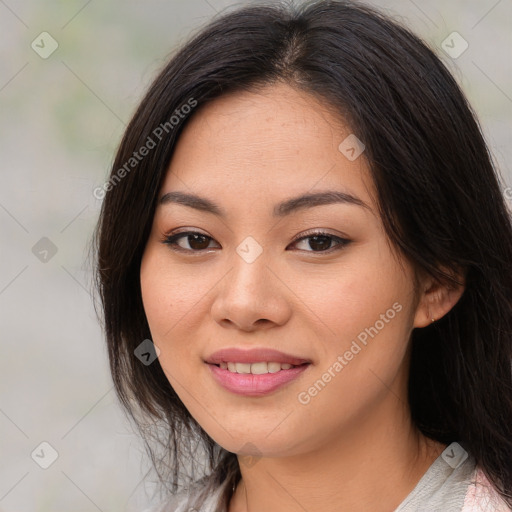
(251,297)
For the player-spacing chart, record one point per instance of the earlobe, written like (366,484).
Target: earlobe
(437,300)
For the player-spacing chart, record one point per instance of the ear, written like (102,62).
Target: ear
(437,299)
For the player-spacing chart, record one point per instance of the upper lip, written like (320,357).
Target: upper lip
(253,355)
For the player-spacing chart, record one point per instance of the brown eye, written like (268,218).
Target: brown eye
(321,242)
(196,241)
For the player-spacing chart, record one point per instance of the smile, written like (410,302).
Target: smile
(255,379)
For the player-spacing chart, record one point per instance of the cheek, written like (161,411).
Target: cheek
(166,294)
(164,300)
(355,295)
(175,306)
(366,316)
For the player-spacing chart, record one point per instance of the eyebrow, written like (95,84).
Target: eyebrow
(280,210)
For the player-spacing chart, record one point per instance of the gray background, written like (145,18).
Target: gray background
(61,120)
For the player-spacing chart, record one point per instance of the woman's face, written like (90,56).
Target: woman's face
(250,279)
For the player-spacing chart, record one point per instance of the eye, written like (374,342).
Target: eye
(320,241)
(196,242)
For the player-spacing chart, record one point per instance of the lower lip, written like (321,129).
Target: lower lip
(248,384)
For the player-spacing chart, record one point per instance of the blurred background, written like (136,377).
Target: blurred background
(71,75)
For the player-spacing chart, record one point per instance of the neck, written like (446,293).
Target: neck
(351,472)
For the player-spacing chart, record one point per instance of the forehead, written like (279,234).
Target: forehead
(274,141)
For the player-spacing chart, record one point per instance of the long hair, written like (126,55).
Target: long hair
(439,196)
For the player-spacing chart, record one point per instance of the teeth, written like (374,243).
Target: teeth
(243,367)
(273,367)
(255,368)
(258,368)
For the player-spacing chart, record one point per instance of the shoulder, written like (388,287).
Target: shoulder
(482,496)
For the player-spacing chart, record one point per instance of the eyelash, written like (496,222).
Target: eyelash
(171,240)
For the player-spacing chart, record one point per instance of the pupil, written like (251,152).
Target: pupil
(195,238)
(314,240)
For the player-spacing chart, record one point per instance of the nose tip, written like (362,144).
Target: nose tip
(248,299)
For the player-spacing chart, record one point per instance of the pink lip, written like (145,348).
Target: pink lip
(253,355)
(254,385)
(248,384)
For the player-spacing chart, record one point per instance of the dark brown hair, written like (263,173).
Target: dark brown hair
(439,197)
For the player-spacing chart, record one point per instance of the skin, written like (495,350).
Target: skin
(248,151)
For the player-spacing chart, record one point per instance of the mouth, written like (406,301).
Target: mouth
(254,372)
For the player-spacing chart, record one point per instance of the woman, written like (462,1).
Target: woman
(305,266)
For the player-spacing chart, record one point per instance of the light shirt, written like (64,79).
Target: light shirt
(453,483)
